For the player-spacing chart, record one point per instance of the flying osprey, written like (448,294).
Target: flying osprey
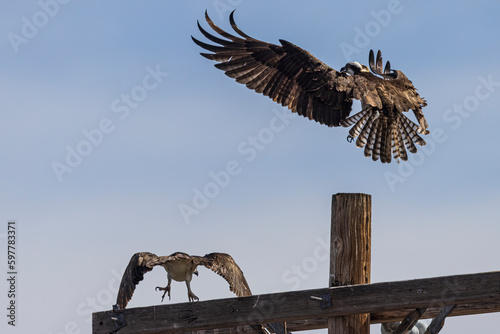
(180,267)
(294,78)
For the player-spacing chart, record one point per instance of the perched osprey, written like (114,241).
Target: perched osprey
(180,267)
(294,78)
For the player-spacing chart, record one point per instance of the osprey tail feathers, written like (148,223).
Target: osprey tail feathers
(384,136)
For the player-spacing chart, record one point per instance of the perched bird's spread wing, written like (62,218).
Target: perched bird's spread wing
(139,264)
(289,75)
(294,78)
(224,265)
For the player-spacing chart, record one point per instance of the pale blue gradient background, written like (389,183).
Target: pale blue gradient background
(76,236)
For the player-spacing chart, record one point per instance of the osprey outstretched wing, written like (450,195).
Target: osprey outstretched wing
(294,78)
(180,267)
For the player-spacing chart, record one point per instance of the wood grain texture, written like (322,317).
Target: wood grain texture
(376,318)
(350,254)
(388,301)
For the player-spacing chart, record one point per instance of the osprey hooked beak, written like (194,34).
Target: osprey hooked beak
(195,272)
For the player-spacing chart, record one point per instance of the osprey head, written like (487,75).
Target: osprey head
(354,67)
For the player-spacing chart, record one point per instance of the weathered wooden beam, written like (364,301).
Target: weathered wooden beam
(438,322)
(481,307)
(278,328)
(376,317)
(393,316)
(350,254)
(383,300)
(410,320)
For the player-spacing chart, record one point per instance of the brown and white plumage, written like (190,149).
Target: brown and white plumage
(294,78)
(180,267)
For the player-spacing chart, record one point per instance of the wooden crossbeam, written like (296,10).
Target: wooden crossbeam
(388,301)
(375,318)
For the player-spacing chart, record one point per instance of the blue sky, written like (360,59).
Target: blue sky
(154,124)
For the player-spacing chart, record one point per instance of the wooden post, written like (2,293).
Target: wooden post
(350,254)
